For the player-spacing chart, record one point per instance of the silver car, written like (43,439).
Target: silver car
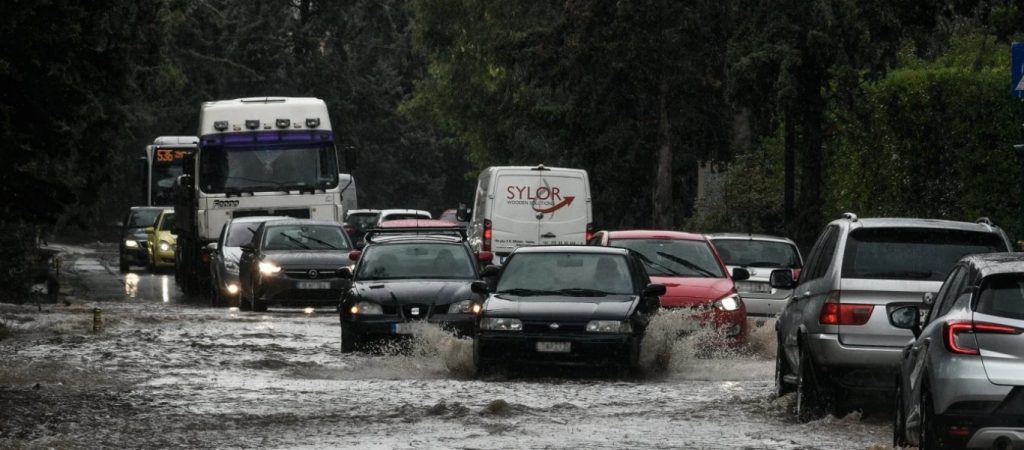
(834,336)
(224,255)
(760,255)
(961,381)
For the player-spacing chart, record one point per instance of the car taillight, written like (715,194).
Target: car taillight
(796,274)
(487,236)
(835,313)
(590,232)
(349,229)
(960,335)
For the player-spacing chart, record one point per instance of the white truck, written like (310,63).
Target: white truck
(262,156)
(523,206)
(165,160)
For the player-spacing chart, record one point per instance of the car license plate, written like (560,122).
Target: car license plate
(314,285)
(402,328)
(554,347)
(754,287)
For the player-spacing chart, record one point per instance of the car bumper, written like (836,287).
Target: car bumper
(287,292)
(135,255)
(989,436)
(585,350)
(375,327)
(852,365)
(730,326)
(961,380)
(163,258)
(764,307)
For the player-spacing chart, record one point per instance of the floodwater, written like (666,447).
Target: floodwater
(166,372)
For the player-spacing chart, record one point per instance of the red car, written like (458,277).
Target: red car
(694,276)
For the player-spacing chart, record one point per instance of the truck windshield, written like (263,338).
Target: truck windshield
(264,168)
(163,176)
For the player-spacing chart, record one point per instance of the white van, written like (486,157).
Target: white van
(525,206)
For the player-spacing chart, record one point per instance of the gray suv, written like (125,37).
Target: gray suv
(834,336)
(961,381)
(760,255)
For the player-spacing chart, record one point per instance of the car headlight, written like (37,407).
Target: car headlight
(232,288)
(609,326)
(164,246)
(730,302)
(501,324)
(231,267)
(367,309)
(463,307)
(130,243)
(269,268)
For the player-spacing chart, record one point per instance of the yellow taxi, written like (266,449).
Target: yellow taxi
(162,241)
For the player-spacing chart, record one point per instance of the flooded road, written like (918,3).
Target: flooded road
(167,372)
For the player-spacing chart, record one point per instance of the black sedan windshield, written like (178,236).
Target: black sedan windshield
(415,260)
(305,237)
(566,274)
(674,257)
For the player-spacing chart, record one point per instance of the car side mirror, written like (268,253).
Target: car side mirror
(740,274)
(463,213)
(928,298)
(354,255)
(490,271)
(211,247)
(479,287)
(654,290)
(344,273)
(906,318)
(248,248)
(485,257)
(782,279)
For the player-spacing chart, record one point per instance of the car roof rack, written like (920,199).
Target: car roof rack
(984,221)
(459,232)
(849,215)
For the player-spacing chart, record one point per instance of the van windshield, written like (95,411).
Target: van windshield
(925,254)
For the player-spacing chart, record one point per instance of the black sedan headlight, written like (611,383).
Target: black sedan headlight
(501,324)
(464,307)
(609,326)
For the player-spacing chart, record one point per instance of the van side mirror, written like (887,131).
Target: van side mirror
(740,274)
(782,279)
(906,318)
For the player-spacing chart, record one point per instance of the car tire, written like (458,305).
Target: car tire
(216,299)
(781,370)
(899,424)
(810,404)
(243,298)
(123,265)
(480,369)
(929,433)
(257,305)
(348,341)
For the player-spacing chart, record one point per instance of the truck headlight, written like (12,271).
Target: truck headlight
(609,326)
(730,302)
(367,309)
(269,268)
(501,324)
(463,307)
(128,243)
(164,246)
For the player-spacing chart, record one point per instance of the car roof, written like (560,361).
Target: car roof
(251,219)
(750,237)
(416,238)
(997,263)
(655,234)
(394,211)
(417,223)
(147,208)
(362,211)
(582,249)
(290,221)
(903,222)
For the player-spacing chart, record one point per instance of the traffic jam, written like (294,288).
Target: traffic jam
(530,326)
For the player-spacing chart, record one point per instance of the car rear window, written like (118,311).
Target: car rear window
(912,253)
(754,253)
(1003,296)
(362,220)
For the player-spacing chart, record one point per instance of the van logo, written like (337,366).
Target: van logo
(566,202)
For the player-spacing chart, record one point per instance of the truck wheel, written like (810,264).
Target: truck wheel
(809,398)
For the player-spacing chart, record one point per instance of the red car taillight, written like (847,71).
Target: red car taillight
(796,274)
(487,235)
(835,313)
(960,335)
(590,232)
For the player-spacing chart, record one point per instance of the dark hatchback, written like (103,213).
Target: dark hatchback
(293,262)
(566,305)
(402,281)
(132,249)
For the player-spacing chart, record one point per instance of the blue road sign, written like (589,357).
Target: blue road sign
(1017,69)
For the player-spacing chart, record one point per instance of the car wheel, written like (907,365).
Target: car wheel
(216,299)
(899,425)
(929,436)
(348,340)
(781,370)
(809,398)
(257,305)
(124,266)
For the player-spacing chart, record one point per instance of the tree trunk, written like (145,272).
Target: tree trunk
(663,207)
(809,202)
(789,169)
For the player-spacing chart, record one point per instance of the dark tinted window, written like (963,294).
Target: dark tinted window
(821,254)
(305,237)
(557,271)
(912,253)
(143,218)
(1002,295)
(674,257)
(362,221)
(167,224)
(405,216)
(952,289)
(415,260)
(754,253)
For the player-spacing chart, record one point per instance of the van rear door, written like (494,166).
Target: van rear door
(562,207)
(513,220)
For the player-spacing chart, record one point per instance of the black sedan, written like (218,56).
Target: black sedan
(293,262)
(566,306)
(401,282)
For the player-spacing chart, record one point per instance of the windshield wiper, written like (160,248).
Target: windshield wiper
(657,266)
(295,241)
(524,292)
(318,241)
(686,263)
(900,274)
(583,292)
(764,264)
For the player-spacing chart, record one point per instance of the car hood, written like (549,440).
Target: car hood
(429,292)
(545,307)
(166,236)
(232,254)
(324,259)
(692,291)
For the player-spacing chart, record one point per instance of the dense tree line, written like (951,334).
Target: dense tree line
(789,97)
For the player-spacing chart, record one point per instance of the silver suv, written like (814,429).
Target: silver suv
(834,336)
(760,255)
(961,381)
